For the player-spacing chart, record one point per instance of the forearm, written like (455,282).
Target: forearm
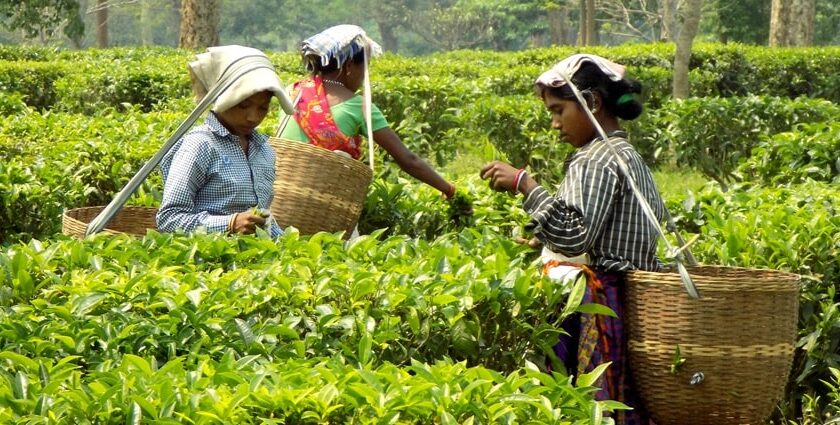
(419,169)
(555,223)
(171,218)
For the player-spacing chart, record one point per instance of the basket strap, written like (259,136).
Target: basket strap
(367,107)
(673,252)
(234,71)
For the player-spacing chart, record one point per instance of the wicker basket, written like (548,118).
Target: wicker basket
(740,335)
(317,190)
(131,220)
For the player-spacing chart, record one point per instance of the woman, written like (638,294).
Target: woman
(330,114)
(220,175)
(595,215)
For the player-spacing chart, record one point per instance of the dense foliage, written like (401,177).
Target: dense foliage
(433,316)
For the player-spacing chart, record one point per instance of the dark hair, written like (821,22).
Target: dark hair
(333,64)
(617,96)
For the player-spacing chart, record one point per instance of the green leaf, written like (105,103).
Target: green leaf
(21,386)
(138,362)
(594,308)
(135,414)
(84,304)
(245,331)
(589,379)
(365,348)
(19,360)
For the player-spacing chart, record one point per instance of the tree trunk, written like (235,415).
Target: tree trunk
(804,16)
(102,24)
(666,9)
(779,23)
(390,42)
(691,20)
(582,41)
(199,24)
(146,23)
(590,22)
(792,22)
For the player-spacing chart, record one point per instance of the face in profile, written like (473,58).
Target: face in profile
(243,118)
(569,119)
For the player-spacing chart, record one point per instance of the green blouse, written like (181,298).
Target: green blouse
(348,116)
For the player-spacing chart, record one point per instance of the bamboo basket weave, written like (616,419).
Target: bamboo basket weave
(317,190)
(740,335)
(130,220)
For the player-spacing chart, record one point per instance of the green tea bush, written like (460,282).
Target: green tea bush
(714,135)
(809,151)
(34,81)
(249,330)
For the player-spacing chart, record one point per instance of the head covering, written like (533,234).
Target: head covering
(208,68)
(340,42)
(569,66)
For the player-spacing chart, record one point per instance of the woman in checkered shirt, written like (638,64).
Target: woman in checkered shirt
(219,177)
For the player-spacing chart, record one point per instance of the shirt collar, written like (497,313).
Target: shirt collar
(220,130)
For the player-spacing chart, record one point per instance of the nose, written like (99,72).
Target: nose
(253,116)
(555,123)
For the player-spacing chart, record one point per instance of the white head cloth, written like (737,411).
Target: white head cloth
(207,69)
(569,66)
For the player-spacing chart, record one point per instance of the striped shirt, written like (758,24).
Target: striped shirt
(595,211)
(207,178)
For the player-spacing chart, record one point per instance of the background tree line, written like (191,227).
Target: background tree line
(412,27)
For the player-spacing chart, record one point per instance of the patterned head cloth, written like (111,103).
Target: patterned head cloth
(569,66)
(207,69)
(340,42)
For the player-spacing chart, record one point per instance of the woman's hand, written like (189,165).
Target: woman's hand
(501,175)
(247,222)
(532,242)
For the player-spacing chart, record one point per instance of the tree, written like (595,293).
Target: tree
(446,29)
(691,20)
(102,23)
(199,24)
(558,16)
(39,18)
(587,23)
(792,22)
(745,21)
(668,24)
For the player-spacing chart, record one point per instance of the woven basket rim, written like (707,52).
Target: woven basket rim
(354,164)
(728,273)
(75,220)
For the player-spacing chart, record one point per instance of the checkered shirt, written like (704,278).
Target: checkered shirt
(595,211)
(207,178)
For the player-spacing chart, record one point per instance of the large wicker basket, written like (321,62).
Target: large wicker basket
(737,341)
(130,220)
(317,190)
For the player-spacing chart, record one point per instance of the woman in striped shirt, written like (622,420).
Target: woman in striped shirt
(595,216)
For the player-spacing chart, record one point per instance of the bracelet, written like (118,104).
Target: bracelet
(231,222)
(520,174)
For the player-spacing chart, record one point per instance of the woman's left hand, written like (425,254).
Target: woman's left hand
(501,176)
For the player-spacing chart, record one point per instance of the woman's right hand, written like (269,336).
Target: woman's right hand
(500,174)
(247,222)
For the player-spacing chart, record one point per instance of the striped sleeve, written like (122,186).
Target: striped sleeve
(571,221)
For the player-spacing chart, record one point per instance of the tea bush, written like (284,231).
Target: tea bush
(810,151)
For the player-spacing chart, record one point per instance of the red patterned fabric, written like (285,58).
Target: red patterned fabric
(313,115)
